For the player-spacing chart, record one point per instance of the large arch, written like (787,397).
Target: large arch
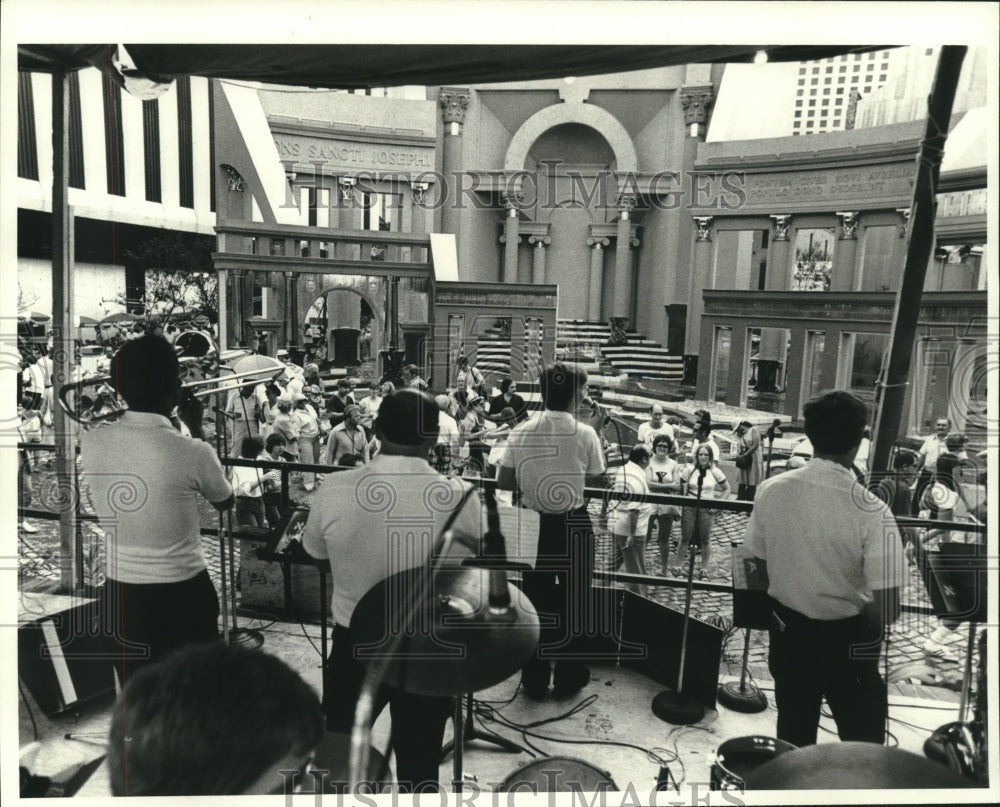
(596,118)
(378,311)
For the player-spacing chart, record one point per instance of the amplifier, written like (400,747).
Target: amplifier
(65,658)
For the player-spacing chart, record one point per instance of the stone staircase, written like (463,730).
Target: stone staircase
(585,344)
(582,341)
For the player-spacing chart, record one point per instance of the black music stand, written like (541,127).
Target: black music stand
(672,705)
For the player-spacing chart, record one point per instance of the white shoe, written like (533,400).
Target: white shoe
(932,648)
(27,526)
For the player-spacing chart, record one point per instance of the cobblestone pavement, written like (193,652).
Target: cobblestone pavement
(38,565)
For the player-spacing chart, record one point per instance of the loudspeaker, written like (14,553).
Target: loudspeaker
(65,658)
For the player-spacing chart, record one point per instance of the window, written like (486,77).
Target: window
(826,102)
(802,71)
(185,142)
(813,259)
(826,91)
(829,70)
(802,81)
(814,81)
(151,149)
(836,122)
(857,68)
(798,103)
(27,147)
(812,102)
(815,70)
(798,114)
(798,93)
(882,77)
(827,80)
(929,52)
(879,271)
(114,141)
(843,68)
(840,90)
(871,67)
(812,113)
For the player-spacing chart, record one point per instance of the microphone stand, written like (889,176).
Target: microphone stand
(673,706)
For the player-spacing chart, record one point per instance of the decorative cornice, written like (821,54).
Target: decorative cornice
(346,186)
(704,225)
(512,200)
(848,225)
(454,103)
(625,203)
(781,224)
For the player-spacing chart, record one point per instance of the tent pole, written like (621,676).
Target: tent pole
(919,244)
(70,548)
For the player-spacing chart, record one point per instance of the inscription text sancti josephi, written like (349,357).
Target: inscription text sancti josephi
(340,154)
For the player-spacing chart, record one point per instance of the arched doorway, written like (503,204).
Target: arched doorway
(343,327)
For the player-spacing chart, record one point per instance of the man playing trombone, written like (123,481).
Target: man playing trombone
(145,481)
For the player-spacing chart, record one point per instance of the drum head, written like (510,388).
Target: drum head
(737,758)
(557,775)
(851,765)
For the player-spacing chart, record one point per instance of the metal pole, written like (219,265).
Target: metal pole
(919,244)
(70,549)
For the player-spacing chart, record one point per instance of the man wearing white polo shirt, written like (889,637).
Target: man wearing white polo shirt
(145,481)
(834,563)
(549,459)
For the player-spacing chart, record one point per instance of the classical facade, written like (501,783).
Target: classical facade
(797,282)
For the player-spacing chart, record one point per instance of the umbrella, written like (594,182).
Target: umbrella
(87,321)
(121,316)
(258,367)
(36,316)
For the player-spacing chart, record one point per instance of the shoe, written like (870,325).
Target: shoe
(27,526)
(568,683)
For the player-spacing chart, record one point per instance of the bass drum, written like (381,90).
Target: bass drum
(737,758)
(557,775)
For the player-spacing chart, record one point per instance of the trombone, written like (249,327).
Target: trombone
(107,405)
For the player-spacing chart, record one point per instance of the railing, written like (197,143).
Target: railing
(590,493)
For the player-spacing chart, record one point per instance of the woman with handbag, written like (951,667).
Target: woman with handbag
(749,460)
(663,476)
(703,480)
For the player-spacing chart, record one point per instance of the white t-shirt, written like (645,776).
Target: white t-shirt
(145,481)
(647,432)
(552,455)
(385,517)
(631,478)
(244,479)
(448,432)
(712,484)
(828,542)
(932,448)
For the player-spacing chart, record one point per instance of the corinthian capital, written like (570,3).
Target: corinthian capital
(704,225)
(781,225)
(454,102)
(848,225)
(696,101)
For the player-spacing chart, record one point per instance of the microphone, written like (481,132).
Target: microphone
(774,430)
(494,546)
(701,479)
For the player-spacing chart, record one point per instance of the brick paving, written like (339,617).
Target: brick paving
(38,565)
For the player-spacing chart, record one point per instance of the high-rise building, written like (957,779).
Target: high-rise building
(827,91)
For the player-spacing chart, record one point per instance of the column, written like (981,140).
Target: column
(696,101)
(597,246)
(510,238)
(621,306)
(291,310)
(793,373)
(702,269)
(237,306)
(736,388)
(538,258)
(845,253)
(773,341)
(454,102)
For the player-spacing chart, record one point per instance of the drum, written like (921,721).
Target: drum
(736,758)
(557,775)
(331,767)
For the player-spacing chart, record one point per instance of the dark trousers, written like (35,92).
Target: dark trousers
(149,620)
(250,511)
(923,481)
(559,588)
(813,659)
(418,721)
(272,508)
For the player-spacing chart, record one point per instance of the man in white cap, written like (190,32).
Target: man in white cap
(656,425)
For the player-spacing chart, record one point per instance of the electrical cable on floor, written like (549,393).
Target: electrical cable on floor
(31,714)
(309,638)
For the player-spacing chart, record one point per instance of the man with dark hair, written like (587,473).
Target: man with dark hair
(549,459)
(339,401)
(932,447)
(411,375)
(630,516)
(832,554)
(213,721)
(374,521)
(145,481)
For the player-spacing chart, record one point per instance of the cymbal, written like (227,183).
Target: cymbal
(852,765)
(455,643)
